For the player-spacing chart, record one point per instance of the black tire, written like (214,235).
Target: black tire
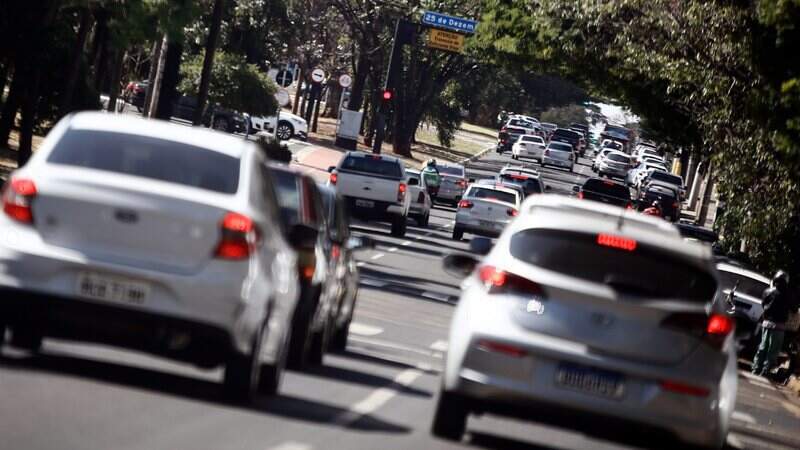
(271,375)
(423,220)
(27,339)
(243,372)
(2,333)
(450,417)
(220,124)
(300,339)
(458,233)
(320,341)
(285,130)
(399,226)
(339,338)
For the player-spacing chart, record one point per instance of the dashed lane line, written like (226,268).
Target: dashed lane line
(376,256)
(365,330)
(392,250)
(395,346)
(377,398)
(743,417)
(291,445)
(439,346)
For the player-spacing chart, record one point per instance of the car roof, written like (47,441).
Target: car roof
(554,211)
(412,171)
(199,137)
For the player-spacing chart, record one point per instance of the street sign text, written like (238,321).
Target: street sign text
(446,40)
(457,24)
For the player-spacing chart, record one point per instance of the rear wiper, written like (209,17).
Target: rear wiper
(628,286)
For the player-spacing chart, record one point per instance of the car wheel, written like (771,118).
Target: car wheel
(339,338)
(320,341)
(27,339)
(221,124)
(450,417)
(458,233)
(399,226)
(285,131)
(242,372)
(2,333)
(423,220)
(300,340)
(271,374)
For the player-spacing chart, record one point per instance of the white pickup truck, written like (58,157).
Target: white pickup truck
(373,187)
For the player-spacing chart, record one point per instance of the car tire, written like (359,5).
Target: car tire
(285,130)
(399,226)
(320,342)
(300,339)
(2,333)
(450,417)
(243,372)
(339,338)
(423,220)
(27,339)
(269,382)
(458,233)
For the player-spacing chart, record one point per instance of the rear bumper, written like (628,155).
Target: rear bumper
(449,194)
(622,173)
(479,227)
(379,210)
(70,318)
(557,162)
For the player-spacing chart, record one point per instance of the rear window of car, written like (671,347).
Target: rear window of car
(288,196)
(535,139)
(373,165)
(529,185)
(747,285)
(449,170)
(619,158)
(148,157)
(668,177)
(492,194)
(561,147)
(644,271)
(607,187)
(567,133)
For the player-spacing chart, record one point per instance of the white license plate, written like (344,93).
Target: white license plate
(592,381)
(365,203)
(489,224)
(101,287)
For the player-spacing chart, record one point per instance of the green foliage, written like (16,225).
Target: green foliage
(234,84)
(564,115)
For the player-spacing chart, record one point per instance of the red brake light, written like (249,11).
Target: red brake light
(681,388)
(336,251)
(580,195)
(518,177)
(465,204)
(719,325)
(512,212)
(462,183)
(498,347)
(401,192)
(238,237)
(629,205)
(17,196)
(334,177)
(499,281)
(675,205)
(618,242)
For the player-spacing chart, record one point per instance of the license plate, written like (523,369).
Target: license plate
(365,203)
(592,381)
(100,287)
(489,224)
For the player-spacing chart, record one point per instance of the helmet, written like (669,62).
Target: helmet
(780,280)
(432,162)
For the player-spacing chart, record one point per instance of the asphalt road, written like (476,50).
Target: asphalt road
(379,394)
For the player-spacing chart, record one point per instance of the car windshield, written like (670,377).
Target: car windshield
(560,147)
(567,134)
(645,271)
(748,286)
(616,157)
(374,165)
(451,170)
(492,194)
(148,157)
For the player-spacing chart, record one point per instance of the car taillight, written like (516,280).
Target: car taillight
(239,237)
(580,195)
(713,329)
(499,347)
(306,264)
(683,388)
(466,204)
(629,205)
(518,177)
(333,178)
(512,212)
(500,281)
(618,242)
(18,194)
(401,192)
(675,205)
(462,183)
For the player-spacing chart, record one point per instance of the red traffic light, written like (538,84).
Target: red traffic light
(387,95)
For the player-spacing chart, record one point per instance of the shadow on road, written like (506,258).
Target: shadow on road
(379,359)
(412,282)
(192,388)
(485,440)
(366,379)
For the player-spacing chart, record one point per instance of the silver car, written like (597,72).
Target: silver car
(559,154)
(420,208)
(454,183)
(486,210)
(614,164)
(150,236)
(583,310)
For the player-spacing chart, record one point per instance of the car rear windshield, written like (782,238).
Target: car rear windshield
(447,170)
(619,158)
(668,177)
(560,147)
(607,187)
(535,139)
(641,272)
(747,285)
(288,196)
(529,185)
(492,194)
(373,165)
(148,157)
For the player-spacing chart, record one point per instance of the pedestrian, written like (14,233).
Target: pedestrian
(776,305)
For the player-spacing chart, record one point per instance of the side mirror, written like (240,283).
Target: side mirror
(576,189)
(302,236)
(413,182)
(331,169)
(459,265)
(480,245)
(360,243)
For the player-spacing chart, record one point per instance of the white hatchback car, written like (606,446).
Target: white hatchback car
(150,236)
(485,210)
(586,315)
(528,147)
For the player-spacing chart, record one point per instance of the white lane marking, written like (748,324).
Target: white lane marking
(735,442)
(393,249)
(436,296)
(762,384)
(439,346)
(364,330)
(361,264)
(377,398)
(291,445)
(743,417)
(387,344)
(379,255)
(406,243)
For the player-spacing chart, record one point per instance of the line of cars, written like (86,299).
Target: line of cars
(545,142)
(180,242)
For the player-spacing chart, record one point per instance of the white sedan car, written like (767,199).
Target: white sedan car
(583,316)
(528,147)
(150,236)
(289,125)
(485,210)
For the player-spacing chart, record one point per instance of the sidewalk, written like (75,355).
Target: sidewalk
(765,413)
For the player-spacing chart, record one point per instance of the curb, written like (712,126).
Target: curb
(477,155)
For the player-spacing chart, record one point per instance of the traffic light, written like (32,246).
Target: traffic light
(387,95)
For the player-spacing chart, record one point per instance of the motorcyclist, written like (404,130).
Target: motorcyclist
(432,178)
(777,305)
(654,209)
(502,118)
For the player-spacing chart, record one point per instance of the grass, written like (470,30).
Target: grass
(429,137)
(475,129)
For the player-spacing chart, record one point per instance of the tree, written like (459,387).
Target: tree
(564,115)
(208,60)
(235,84)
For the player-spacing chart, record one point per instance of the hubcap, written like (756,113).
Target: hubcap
(284,132)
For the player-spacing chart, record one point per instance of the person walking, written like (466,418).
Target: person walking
(775,301)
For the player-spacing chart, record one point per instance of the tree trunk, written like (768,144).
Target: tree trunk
(334,98)
(75,64)
(4,72)
(156,86)
(101,45)
(208,61)
(116,73)
(29,100)
(359,83)
(11,105)
(169,81)
(155,58)
(297,93)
